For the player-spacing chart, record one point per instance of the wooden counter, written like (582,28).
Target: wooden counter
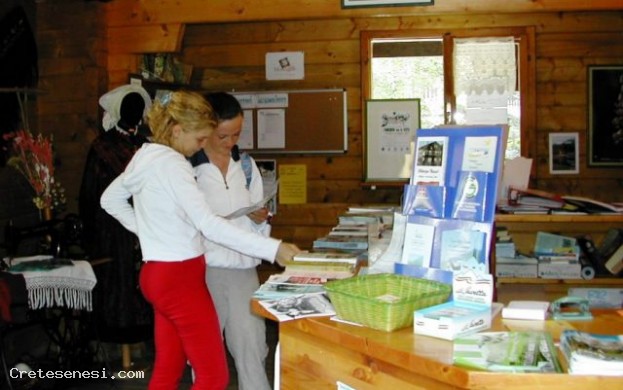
(316,353)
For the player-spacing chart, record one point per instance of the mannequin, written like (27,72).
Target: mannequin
(120,311)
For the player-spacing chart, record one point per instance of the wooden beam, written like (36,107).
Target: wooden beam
(137,12)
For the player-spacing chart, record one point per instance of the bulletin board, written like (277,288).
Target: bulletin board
(315,122)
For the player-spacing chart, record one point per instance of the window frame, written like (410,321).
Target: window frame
(524,36)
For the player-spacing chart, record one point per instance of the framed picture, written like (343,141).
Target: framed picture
(383,3)
(390,127)
(605,116)
(564,153)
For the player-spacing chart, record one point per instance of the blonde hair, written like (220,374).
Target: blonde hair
(188,109)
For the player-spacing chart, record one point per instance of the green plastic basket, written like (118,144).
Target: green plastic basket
(384,301)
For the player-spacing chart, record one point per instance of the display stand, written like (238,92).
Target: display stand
(450,201)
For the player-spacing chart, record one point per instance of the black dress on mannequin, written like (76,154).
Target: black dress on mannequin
(121,313)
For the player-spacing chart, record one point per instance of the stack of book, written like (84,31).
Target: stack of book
(284,285)
(592,354)
(534,201)
(504,245)
(307,273)
(508,262)
(342,242)
(330,265)
(558,256)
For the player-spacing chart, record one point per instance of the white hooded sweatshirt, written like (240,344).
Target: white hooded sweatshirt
(169,212)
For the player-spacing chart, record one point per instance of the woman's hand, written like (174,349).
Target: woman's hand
(259,216)
(285,253)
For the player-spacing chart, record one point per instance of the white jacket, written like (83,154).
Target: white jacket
(226,195)
(170,213)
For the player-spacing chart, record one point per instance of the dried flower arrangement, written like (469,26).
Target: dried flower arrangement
(33,157)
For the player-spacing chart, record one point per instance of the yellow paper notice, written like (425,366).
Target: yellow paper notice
(292,184)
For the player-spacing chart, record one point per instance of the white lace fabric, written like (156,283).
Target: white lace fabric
(68,286)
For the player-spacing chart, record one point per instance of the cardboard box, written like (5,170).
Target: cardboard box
(516,267)
(469,312)
(560,270)
(452,319)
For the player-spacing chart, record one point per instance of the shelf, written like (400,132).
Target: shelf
(558,218)
(541,281)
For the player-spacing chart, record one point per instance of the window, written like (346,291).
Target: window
(420,64)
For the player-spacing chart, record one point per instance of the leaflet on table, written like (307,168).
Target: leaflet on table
(256,206)
(424,199)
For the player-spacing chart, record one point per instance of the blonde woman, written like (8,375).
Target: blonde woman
(169,215)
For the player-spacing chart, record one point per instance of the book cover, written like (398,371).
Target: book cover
(418,244)
(591,206)
(548,244)
(333,257)
(470,196)
(424,200)
(519,266)
(614,264)
(321,269)
(270,291)
(341,242)
(591,353)
(534,197)
(347,232)
(430,160)
(463,249)
(516,352)
(610,243)
(299,306)
(296,280)
(457,245)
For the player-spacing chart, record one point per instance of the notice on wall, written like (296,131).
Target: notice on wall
(292,183)
(271,128)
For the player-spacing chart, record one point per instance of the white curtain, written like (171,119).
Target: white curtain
(484,65)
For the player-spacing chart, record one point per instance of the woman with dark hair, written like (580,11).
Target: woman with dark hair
(170,216)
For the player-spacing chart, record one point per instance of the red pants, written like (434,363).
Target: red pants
(186,325)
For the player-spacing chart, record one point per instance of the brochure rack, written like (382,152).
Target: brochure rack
(450,201)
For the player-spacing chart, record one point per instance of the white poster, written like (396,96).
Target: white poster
(271,128)
(286,65)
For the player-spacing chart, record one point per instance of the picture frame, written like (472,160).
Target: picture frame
(564,153)
(605,116)
(390,127)
(383,3)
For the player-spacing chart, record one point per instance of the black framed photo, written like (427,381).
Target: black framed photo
(383,3)
(605,116)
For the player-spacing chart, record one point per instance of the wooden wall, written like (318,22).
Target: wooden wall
(226,41)
(72,49)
